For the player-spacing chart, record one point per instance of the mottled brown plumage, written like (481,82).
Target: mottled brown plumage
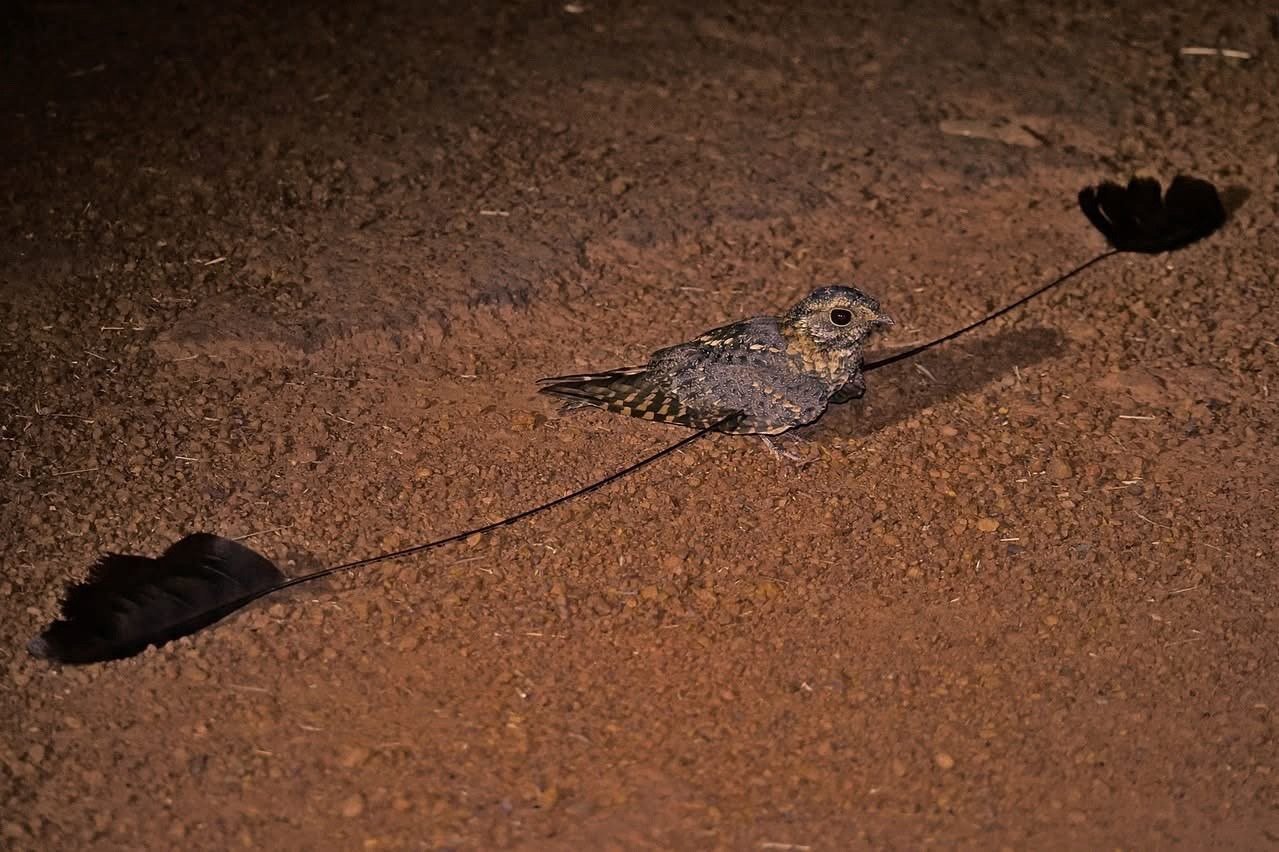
(778,372)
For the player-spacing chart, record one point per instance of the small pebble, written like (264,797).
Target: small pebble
(987,524)
(352,807)
(352,756)
(944,761)
(1059,469)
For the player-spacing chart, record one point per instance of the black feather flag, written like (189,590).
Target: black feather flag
(129,602)
(1143,218)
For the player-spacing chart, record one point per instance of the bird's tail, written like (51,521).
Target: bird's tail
(606,390)
(630,391)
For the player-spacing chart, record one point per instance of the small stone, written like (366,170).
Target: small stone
(767,590)
(944,761)
(987,524)
(352,756)
(547,798)
(352,807)
(1059,469)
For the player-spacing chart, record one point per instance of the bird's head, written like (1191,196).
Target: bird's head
(837,318)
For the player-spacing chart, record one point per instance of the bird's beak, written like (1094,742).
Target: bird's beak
(883,320)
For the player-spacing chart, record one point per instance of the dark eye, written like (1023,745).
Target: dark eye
(841,316)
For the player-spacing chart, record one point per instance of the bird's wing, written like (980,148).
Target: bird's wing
(672,388)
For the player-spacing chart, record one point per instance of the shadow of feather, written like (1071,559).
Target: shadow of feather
(901,391)
(1235,197)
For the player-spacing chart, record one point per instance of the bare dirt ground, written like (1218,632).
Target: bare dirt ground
(290,272)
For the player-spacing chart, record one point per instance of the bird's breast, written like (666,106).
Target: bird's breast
(832,366)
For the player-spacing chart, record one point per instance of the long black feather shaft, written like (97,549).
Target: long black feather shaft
(1139,218)
(505,522)
(994,315)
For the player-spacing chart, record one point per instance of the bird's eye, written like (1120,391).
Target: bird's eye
(841,316)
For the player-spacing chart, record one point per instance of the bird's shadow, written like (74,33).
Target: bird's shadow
(900,391)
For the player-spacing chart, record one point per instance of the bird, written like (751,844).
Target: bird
(759,376)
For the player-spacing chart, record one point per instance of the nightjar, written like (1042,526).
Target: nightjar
(776,373)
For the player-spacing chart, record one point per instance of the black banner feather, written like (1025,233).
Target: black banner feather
(1143,218)
(129,602)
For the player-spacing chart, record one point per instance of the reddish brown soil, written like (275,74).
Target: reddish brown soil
(291,275)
